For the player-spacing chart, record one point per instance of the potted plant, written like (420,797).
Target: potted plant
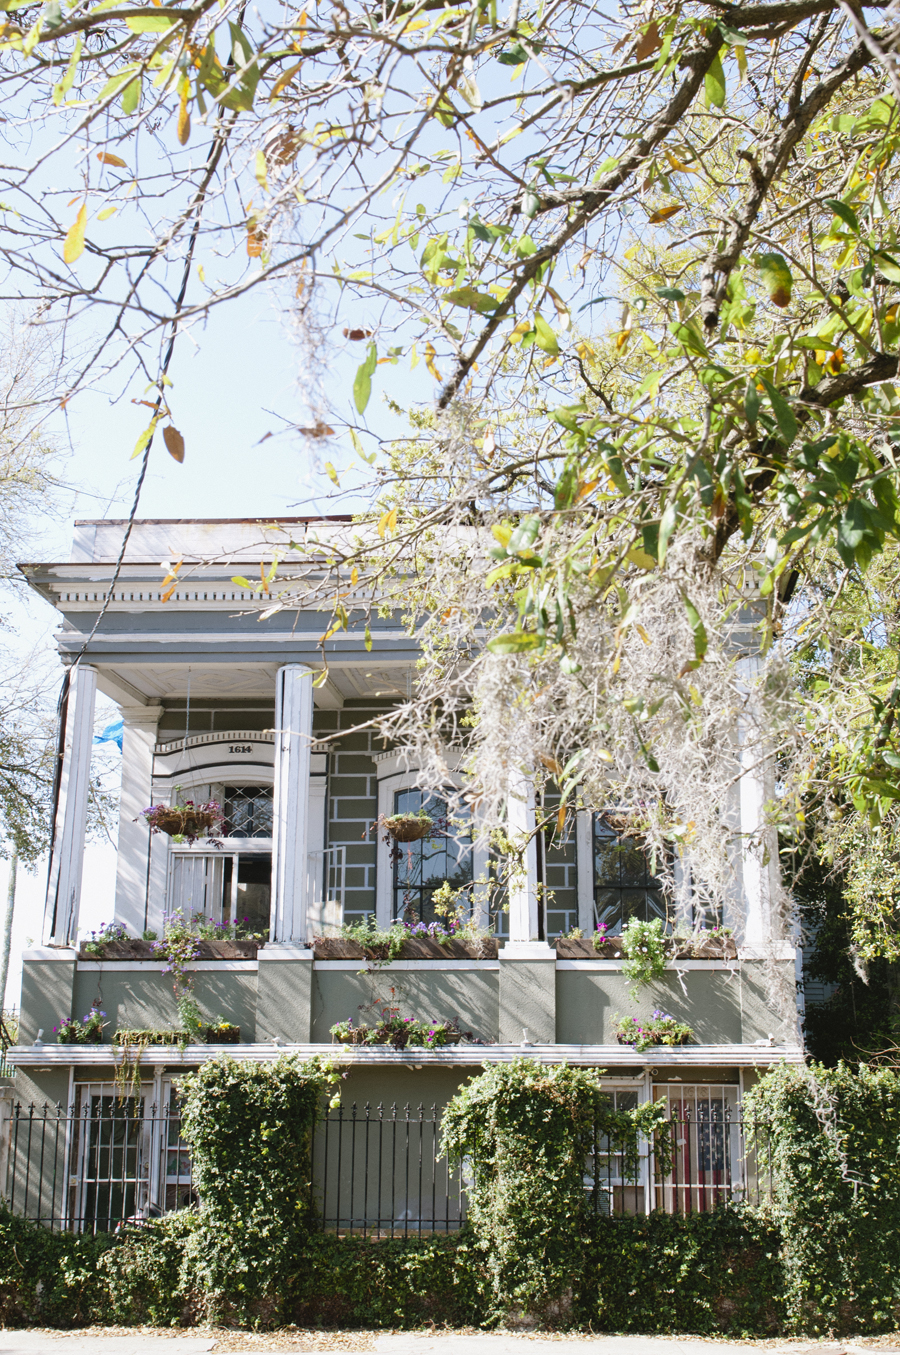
(399,1031)
(89,1030)
(658,1029)
(223,1032)
(186,822)
(408,827)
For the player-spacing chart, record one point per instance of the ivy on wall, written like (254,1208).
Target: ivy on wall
(522,1134)
(249,1128)
(832,1141)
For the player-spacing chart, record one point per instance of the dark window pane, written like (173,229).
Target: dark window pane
(446,854)
(624,885)
(248,811)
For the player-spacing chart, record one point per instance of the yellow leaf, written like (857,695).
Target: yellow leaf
(663,213)
(332,474)
(642,633)
(74,245)
(168,593)
(106,213)
(354,576)
(255,240)
(284,80)
(387,524)
(561,819)
(430,362)
(184,117)
(106,159)
(174,443)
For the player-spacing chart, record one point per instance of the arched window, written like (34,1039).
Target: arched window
(624,883)
(420,868)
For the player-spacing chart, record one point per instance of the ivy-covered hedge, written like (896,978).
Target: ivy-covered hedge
(824,1258)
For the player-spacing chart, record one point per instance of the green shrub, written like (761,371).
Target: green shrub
(249,1128)
(834,1151)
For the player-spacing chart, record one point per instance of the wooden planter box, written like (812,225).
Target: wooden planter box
(232,1036)
(417,948)
(358,1037)
(657,1044)
(582,948)
(143,950)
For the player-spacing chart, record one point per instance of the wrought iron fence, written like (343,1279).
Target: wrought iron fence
(376,1170)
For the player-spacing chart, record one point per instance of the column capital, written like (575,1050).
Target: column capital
(146,717)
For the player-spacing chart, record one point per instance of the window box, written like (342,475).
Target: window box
(417,948)
(224,1033)
(582,948)
(143,950)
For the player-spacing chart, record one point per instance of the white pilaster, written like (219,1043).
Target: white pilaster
(139,732)
(523,893)
(70,826)
(290,828)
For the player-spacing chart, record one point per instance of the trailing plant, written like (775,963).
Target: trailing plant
(207,929)
(180,948)
(89,1030)
(370,936)
(646,948)
(831,1137)
(653,1030)
(132,1043)
(522,1134)
(249,1129)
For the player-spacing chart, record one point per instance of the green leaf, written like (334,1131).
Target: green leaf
(472,300)
(687,335)
(670,293)
(515,642)
(367,640)
(544,336)
(666,528)
(784,415)
(888,266)
(846,214)
(714,84)
(892,759)
(362,385)
(242,582)
(776,278)
(150,23)
(525,535)
(131,95)
(701,640)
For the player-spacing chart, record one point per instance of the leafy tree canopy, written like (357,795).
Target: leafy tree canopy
(650,266)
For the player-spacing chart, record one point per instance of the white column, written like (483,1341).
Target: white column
(70,825)
(290,828)
(140,725)
(523,894)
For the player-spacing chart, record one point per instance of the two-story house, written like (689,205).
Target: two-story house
(219,704)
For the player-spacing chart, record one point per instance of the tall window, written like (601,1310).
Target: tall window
(624,884)
(423,866)
(248,811)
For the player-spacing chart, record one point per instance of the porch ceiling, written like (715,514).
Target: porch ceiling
(147,683)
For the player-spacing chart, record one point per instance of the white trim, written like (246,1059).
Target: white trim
(673,968)
(448,966)
(584,868)
(43,954)
(466,1056)
(157,966)
(384,874)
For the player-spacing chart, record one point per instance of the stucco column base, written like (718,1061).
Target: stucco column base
(284,994)
(48,992)
(527,993)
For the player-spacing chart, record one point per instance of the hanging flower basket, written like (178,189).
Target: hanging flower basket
(408,827)
(187,821)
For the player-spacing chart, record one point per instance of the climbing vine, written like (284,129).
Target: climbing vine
(831,1138)
(249,1128)
(525,1136)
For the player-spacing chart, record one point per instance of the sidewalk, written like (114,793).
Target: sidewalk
(153,1341)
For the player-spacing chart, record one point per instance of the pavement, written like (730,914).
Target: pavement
(153,1341)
